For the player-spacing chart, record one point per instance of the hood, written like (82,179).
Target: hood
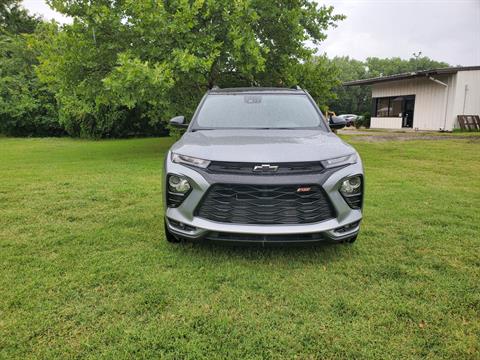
(262,145)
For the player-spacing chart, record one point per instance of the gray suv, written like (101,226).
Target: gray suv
(261,165)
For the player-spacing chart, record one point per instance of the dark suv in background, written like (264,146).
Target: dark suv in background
(261,165)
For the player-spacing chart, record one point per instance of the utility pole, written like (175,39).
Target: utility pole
(416,56)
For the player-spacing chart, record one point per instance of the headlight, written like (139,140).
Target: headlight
(188,160)
(351,185)
(340,161)
(352,191)
(178,184)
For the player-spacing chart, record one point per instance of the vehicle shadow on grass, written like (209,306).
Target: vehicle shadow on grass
(325,251)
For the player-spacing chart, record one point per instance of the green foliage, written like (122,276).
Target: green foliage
(363,121)
(389,66)
(27,107)
(319,76)
(124,68)
(157,58)
(351,100)
(14,19)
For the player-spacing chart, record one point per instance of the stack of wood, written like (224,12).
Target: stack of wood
(469,122)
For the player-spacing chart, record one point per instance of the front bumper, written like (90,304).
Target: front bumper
(182,221)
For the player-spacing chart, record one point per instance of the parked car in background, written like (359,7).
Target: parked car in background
(262,165)
(349,118)
(336,122)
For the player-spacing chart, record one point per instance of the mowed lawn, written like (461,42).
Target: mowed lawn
(85,271)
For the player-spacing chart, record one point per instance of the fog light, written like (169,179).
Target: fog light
(348,227)
(181,226)
(351,185)
(178,184)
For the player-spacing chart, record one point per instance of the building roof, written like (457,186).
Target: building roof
(410,75)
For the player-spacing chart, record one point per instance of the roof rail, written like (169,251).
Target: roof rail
(296,87)
(215,87)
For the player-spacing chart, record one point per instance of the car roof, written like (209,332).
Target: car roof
(256,90)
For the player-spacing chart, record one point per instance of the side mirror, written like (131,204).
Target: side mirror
(178,121)
(336,122)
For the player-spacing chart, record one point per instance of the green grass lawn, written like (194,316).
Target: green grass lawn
(85,270)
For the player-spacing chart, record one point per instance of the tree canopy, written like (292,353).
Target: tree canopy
(125,64)
(123,68)
(27,107)
(14,19)
(395,65)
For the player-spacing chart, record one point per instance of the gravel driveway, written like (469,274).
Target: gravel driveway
(398,135)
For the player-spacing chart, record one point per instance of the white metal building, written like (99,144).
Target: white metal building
(424,100)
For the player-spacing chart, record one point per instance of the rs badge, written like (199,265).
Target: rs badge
(304,189)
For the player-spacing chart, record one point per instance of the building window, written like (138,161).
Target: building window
(396,106)
(383,107)
(390,106)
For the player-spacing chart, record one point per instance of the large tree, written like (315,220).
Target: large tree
(356,99)
(26,105)
(121,63)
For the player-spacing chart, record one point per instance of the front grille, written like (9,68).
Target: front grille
(265,204)
(245,168)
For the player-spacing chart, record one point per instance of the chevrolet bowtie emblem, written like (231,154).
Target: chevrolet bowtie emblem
(265,168)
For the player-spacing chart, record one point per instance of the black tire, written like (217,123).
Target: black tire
(350,240)
(168,235)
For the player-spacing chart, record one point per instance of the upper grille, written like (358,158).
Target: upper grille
(239,168)
(265,204)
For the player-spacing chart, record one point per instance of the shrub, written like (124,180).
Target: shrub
(364,121)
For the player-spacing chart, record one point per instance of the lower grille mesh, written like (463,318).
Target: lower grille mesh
(266,238)
(265,204)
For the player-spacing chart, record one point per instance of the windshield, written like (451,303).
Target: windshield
(258,111)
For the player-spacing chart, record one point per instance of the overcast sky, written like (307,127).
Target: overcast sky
(445,30)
